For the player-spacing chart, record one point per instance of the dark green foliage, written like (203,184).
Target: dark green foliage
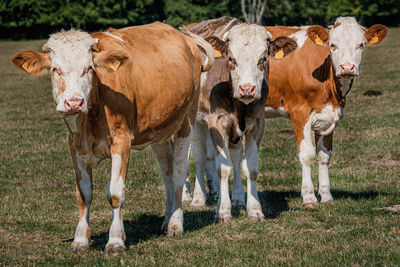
(37,18)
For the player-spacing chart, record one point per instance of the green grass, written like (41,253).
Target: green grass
(38,212)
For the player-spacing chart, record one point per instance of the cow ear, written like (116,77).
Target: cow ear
(109,59)
(318,35)
(375,34)
(220,47)
(281,47)
(32,62)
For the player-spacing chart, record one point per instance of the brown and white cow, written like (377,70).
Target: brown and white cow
(310,88)
(118,90)
(232,101)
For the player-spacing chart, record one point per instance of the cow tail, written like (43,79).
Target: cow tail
(207,52)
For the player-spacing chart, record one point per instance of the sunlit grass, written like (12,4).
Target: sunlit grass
(39,214)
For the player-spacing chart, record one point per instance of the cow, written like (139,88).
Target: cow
(121,89)
(311,91)
(232,100)
(310,88)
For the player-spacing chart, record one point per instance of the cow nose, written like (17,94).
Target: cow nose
(347,69)
(247,90)
(74,104)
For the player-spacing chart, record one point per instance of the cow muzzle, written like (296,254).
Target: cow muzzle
(73,106)
(347,69)
(247,90)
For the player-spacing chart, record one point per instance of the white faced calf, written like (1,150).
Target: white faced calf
(236,109)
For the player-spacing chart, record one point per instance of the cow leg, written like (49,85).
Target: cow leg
(186,194)
(238,195)
(200,158)
(302,130)
(84,189)
(120,150)
(211,172)
(224,164)
(324,152)
(164,155)
(250,171)
(180,169)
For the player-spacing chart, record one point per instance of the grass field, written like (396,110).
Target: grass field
(38,212)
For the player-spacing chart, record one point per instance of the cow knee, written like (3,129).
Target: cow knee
(306,157)
(324,156)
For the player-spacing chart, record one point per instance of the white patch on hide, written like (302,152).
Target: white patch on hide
(300,36)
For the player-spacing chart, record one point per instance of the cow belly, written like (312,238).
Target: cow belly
(325,122)
(270,112)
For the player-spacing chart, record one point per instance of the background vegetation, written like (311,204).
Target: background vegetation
(38,210)
(37,18)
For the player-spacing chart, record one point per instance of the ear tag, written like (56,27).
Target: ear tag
(217,53)
(374,39)
(279,54)
(27,68)
(114,65)
(318,40)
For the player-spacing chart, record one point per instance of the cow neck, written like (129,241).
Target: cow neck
(80,127)
(343,86)
(242,111)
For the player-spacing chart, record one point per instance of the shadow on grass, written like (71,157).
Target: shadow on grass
(148,226)
(340,194)
(274,203)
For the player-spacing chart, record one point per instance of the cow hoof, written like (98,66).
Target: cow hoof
(198,203)
(325,198)
(114,248)
(310,205)
(75,247)
(174,230)
(186,197)
(257,216)
(238,203)
(224,216)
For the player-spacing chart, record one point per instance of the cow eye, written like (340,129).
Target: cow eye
(55,71)
(89,69)
(361,46)
(263,60)
(333,47)
(232,60)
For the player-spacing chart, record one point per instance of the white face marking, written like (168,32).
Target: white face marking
(300,36)
(71,66)
(248,46)
(347,43)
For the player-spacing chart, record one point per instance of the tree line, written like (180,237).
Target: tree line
(32,19)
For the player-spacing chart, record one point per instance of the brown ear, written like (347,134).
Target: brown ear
(220,47)
(31,62)
(109,59)
(375,34)
(281,47)
(318,35)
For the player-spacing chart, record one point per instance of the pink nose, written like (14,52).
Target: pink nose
(247,90)
(347,69)
(74,104)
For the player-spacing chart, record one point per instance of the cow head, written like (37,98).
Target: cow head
(347,40)
(71,60)
(247,49)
